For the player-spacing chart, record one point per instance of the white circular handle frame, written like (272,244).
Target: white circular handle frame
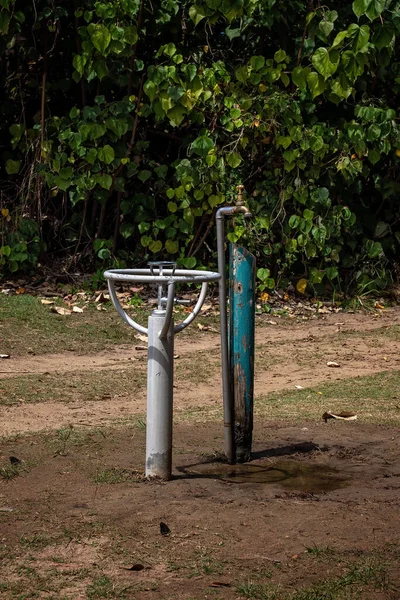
(170,278)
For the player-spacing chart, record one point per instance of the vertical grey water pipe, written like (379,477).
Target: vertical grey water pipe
(226,380)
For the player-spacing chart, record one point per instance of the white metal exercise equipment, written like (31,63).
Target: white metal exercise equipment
(160,362)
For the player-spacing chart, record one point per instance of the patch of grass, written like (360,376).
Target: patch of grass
(76,385)
(375,398)
(372,573)
(35,541)
(103,587)
(26,325)
(259,591)
(363,577)
(320,551)
(9,471)
(205,564)
(114,475)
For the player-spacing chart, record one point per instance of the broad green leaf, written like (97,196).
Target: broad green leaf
(294,221)
(176,115)
(190,71)
(155,246)
(196,13)
(234,160)
(211,159)
(352,65)
(169,49)
(172,246)
(119,126)
(316,83)
(383,36)
(338,41)
(150,89)
(257,62)
(105,181)
(308,214)
(375,249)
(332,273)
(91,156)
(12,166)
(106,154)
(131,35)
(263,274)
(375,8)
(100,68)
(172,207)
(325,62)
(316,275)
(144,175)
(279,56)
(374,156)
(283,141)
(361,37)
(143,227)
(285,79)
(360,7)
(4,21)
(16,131)
(381,229)
(202,145)
(79,62)
(146,240)
(232,33)
(100,37)
(127,230)
(242,74)
(325,28)
(189,263)
(299,77)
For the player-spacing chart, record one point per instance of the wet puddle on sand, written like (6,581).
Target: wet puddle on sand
(299,476)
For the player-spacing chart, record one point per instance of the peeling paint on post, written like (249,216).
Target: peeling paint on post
(241,347)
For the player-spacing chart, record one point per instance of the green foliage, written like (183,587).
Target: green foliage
(19,243)
(138,122)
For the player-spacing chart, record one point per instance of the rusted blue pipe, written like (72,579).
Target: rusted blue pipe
(241,347)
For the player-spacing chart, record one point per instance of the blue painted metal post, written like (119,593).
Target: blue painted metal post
(242,268)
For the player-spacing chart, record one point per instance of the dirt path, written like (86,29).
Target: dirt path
(287,355)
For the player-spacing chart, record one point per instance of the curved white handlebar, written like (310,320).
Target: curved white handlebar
(145,276)
(170,277)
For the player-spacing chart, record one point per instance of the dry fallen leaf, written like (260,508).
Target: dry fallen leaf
(47,302)
(61,311)
(272,323)
(100,307)
(4,356)
(77,309)
(299,387)
(142,338)
(20,290)
(332,363)
(344,416)
(301,285)
(102,298)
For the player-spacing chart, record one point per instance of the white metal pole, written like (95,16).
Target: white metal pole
(160,374)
